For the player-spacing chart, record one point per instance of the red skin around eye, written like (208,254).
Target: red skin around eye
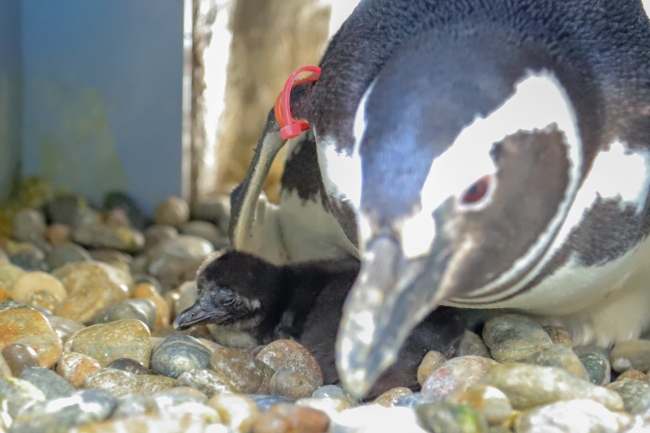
(477,191)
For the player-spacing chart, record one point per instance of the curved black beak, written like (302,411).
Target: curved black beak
(197,314)
(388,299)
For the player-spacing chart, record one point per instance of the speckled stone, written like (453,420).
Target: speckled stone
(558,335)
(32,282)
(173,211)
(43,300)
(19,394)
(51,384)
(65,254)
(101,236)
(284,418)
(19,356)
(290,384)
(448,417)
(238,412)
(375,418)
(31,328)
(577,416)
(121,339)
(456,373)
(471,344)
(150,292)
(177,354)
(513,337)
(76,367)
(490,401)
(129,365)
(205,230)
(388,398)
(29,225)
(117,382)
(151,383)
(528,386)
(58,234)
(432,361)
(292,356)
(559,355)
(266,402)
(634,375)
(635,394)
(597,368)
(248,374)
(84,407)
(32,260)
(174,261)
(91,286)
(631,354)
(143,310)
(207,381)
(64,328)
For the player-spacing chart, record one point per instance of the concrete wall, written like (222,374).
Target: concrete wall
(11,90)
(103,95)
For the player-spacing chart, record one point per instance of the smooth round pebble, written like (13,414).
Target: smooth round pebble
(207,381)
(156,234)
(34,282)
(111,256)
(284,418)
(291,355)
(633,354)
(150,292)
(471,344)
(596,366)
(64,328)
(51,384)
(448,417)
(205,230)
(238,412)
(117,218)
(118,382)
(9,274)
(388,398)
(292,385)
(43,300)
(152,383)
(176,354)
(29,225)
(175,261)
(76,367)
(559,335)
(513,337)
(19,357)
(32,260)
(432,361)
(65,254)
(635,394)
(107,342)
(173,211)
(57,235)
(129,365)
(456,373)
(19,394)
(634,375)
(248,374)
(559,355)
(31,328)
(143,310)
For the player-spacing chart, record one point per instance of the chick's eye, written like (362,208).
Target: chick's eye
(477,191)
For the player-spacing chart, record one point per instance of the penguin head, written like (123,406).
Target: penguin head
(468,156)
(234,288)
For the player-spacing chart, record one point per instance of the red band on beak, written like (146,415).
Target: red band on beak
(290,127)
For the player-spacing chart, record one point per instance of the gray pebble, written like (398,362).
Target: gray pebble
(67,253)
(471,344)
(129,365)
(176,354)
(174,261)
(19,394)
(20,356)
(32,260)
(29,225)
(558,355)
(266,402)
(597,368)
(207,381)
(413,400)
(101,236)
(64,209)
(64,328)
(635,394)
(51,384)
(333,391)
(143,310)
(62,414)
(133,405)
(205,230)
(513,337)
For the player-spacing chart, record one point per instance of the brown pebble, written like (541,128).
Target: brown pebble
(558,335)
(76,367)
(248,374)
(129,365)
(19,357)
(293,385)
(149,291)
(58,234)
(431,362)
(31,328)
(117,218)
(286,418)
(633,375)
(388,398)
(292,356)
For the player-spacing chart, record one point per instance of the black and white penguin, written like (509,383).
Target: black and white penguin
(493,154)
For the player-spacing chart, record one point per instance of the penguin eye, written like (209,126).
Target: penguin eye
(477,191)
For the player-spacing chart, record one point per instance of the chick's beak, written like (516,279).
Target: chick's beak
(201,312)
(388,299)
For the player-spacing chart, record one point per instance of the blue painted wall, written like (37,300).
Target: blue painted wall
(11,90)
(102,92)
